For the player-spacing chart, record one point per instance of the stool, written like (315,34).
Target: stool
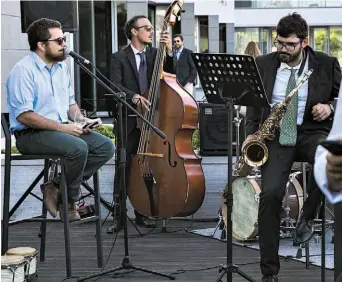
(7,213)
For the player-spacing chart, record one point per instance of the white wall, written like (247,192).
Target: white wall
(270,17)
(223,8)
(14,45)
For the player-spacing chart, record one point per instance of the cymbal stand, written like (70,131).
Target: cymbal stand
(220,225)
(237,120)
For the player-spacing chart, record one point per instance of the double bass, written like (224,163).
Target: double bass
(166,177)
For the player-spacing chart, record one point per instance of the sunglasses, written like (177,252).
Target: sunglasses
(176,41)
(59,40)
(146,27)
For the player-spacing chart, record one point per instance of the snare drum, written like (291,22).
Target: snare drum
(13,268)
(30,255)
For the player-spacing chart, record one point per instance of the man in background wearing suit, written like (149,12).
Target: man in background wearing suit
(307,121)
(131,70)
(183,65)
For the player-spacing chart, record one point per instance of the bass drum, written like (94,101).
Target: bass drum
(246,191)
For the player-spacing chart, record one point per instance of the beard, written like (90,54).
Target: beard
(177,46)
(59,57)
(285,57)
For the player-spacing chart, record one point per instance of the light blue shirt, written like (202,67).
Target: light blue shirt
(33,86)
(179,52)
(321,156)
(280,85)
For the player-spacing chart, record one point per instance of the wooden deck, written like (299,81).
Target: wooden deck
(175,251)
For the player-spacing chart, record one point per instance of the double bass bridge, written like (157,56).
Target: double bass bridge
(152,155)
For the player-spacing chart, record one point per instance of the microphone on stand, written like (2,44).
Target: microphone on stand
(76,56)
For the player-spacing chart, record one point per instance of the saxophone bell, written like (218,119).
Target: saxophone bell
(254,154)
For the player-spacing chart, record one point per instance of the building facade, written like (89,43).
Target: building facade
(212,26)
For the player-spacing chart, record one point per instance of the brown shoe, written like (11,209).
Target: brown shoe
(73,214)
(50,192)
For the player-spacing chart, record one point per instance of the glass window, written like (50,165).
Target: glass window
(152,18)
(223,38)
(263,45)
(95,45)
(121,16)
(273,38)
(320,37)
(204,33)
(336,43)
(86,49)
(287,3)
(243,36)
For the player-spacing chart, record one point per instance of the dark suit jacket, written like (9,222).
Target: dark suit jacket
(185,68)
(324,84)
(124,74)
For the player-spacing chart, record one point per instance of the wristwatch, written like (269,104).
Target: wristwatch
(332,110)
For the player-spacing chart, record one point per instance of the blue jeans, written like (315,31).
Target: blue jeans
(82,155)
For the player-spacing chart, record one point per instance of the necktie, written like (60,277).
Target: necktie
(288,127)
(175,61)
(143,84)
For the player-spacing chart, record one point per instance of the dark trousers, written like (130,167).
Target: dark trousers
(82,155)
(131,145)
(275,174)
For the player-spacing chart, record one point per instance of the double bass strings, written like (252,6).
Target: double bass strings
(152,98)
(152,95)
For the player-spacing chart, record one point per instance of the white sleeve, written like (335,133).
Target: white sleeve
(321,156)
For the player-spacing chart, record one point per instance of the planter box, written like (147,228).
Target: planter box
(24,172)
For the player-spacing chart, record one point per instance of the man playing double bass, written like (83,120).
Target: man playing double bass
(307,121)
(132,69)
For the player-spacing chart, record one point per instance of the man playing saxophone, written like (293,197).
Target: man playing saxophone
(307,121)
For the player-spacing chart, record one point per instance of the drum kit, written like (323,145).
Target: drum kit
(19,264)
(246,191)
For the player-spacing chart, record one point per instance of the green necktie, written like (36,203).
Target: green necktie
(288,127)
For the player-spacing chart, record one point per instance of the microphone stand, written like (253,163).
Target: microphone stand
(126,263)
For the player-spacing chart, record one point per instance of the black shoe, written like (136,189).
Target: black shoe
(304,230)
(144,221)
(270,278)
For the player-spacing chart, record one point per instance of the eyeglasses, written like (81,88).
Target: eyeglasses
(289,46)
(176,41)
(59,40)
(146,27)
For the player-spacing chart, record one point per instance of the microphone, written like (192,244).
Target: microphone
(76,56)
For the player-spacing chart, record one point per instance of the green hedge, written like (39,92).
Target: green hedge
(107,131)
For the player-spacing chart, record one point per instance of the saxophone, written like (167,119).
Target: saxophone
(255,152)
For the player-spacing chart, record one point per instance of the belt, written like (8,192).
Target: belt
(18,133)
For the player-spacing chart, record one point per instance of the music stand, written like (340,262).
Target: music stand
(230,79)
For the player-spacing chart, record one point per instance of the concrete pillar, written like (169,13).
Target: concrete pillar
(188,25)
(230,38)
(214,34)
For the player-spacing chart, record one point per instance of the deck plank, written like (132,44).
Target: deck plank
(165,252)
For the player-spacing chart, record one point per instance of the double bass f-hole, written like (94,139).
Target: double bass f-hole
(171,163)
